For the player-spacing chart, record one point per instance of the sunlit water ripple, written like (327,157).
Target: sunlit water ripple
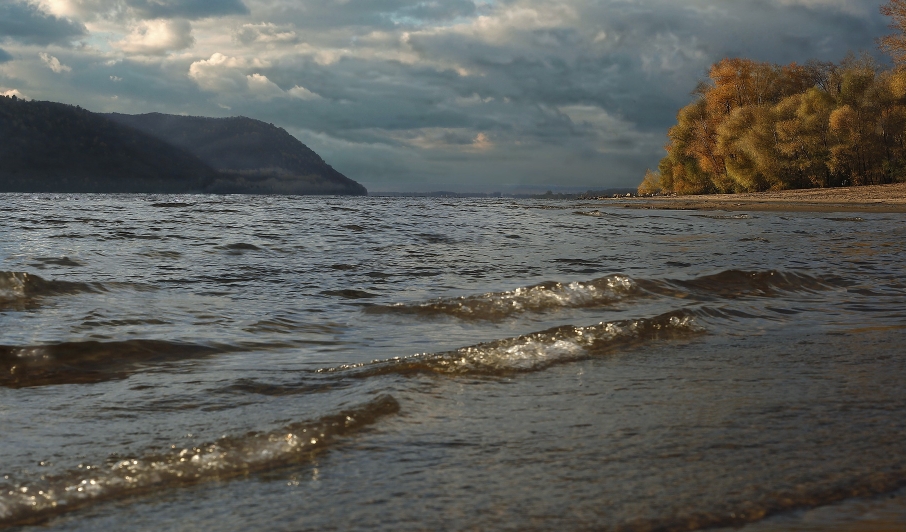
(311,363)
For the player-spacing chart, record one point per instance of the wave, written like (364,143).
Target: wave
(239,247)
(349,294)
(536,298)
(228,457)
(87,362)
(734,284)
(22,288)
(90,361)
(604,291)
(172,204)
(535,351)
(723,216)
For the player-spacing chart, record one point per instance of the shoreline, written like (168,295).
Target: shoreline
(868,198)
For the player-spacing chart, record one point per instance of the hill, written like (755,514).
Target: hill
(53,147)
(251,156)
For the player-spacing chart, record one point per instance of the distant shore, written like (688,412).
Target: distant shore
(870,198)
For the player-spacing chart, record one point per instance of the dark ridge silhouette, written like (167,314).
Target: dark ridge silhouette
(252,156)
(53,147)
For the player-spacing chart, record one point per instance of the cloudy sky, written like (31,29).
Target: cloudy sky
(422,95)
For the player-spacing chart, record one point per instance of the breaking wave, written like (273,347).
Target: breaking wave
(22,287)
(34,502)
(729,284)
(535,351)
(536,298)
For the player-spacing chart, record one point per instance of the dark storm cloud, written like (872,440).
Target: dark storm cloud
(4,56)
(597,82)
(436,10)
(374,14)
(771,32)
(190,9)
(650,54)
(28,24)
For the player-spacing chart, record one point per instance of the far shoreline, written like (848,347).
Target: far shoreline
(867,198)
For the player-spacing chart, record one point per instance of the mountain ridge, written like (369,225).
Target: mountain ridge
(249,151)
(55,147)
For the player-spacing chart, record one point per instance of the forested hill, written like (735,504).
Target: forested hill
(52,147)
(249,153)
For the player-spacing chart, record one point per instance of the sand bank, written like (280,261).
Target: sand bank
(872,198)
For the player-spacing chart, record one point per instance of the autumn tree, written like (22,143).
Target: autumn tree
(895,44)
(803,136)
(651,184)
(759,126)
(690,146)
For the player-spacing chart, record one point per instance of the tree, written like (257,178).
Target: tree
(748,142)
(803,135)
(895,44)
(690,143)
(759,126)
(651,184)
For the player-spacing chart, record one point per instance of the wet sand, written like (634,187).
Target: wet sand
(872,198)
(883,513)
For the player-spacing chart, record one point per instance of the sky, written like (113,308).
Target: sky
(406,95)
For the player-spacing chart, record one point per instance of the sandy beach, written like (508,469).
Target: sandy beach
(872,198)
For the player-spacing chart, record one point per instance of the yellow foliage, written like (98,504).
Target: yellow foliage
(758,126)
(897,83)
(651,184)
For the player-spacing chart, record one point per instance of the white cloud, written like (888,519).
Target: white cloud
(262,88)
(53,63)
(265,32)
(11,92)
(612,133)
(474,99)
(60,8)
(157,37)
(444,139)
(481,142)
(224,73)
(131,10)
(302,93)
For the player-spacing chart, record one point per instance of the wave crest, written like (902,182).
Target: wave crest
(536,298)
(20,287)
(604,291)
(33,502)
(535,351)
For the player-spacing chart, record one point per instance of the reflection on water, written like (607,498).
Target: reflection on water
(226,362)
(227,457)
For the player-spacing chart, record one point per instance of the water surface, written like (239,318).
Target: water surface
(310,363)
